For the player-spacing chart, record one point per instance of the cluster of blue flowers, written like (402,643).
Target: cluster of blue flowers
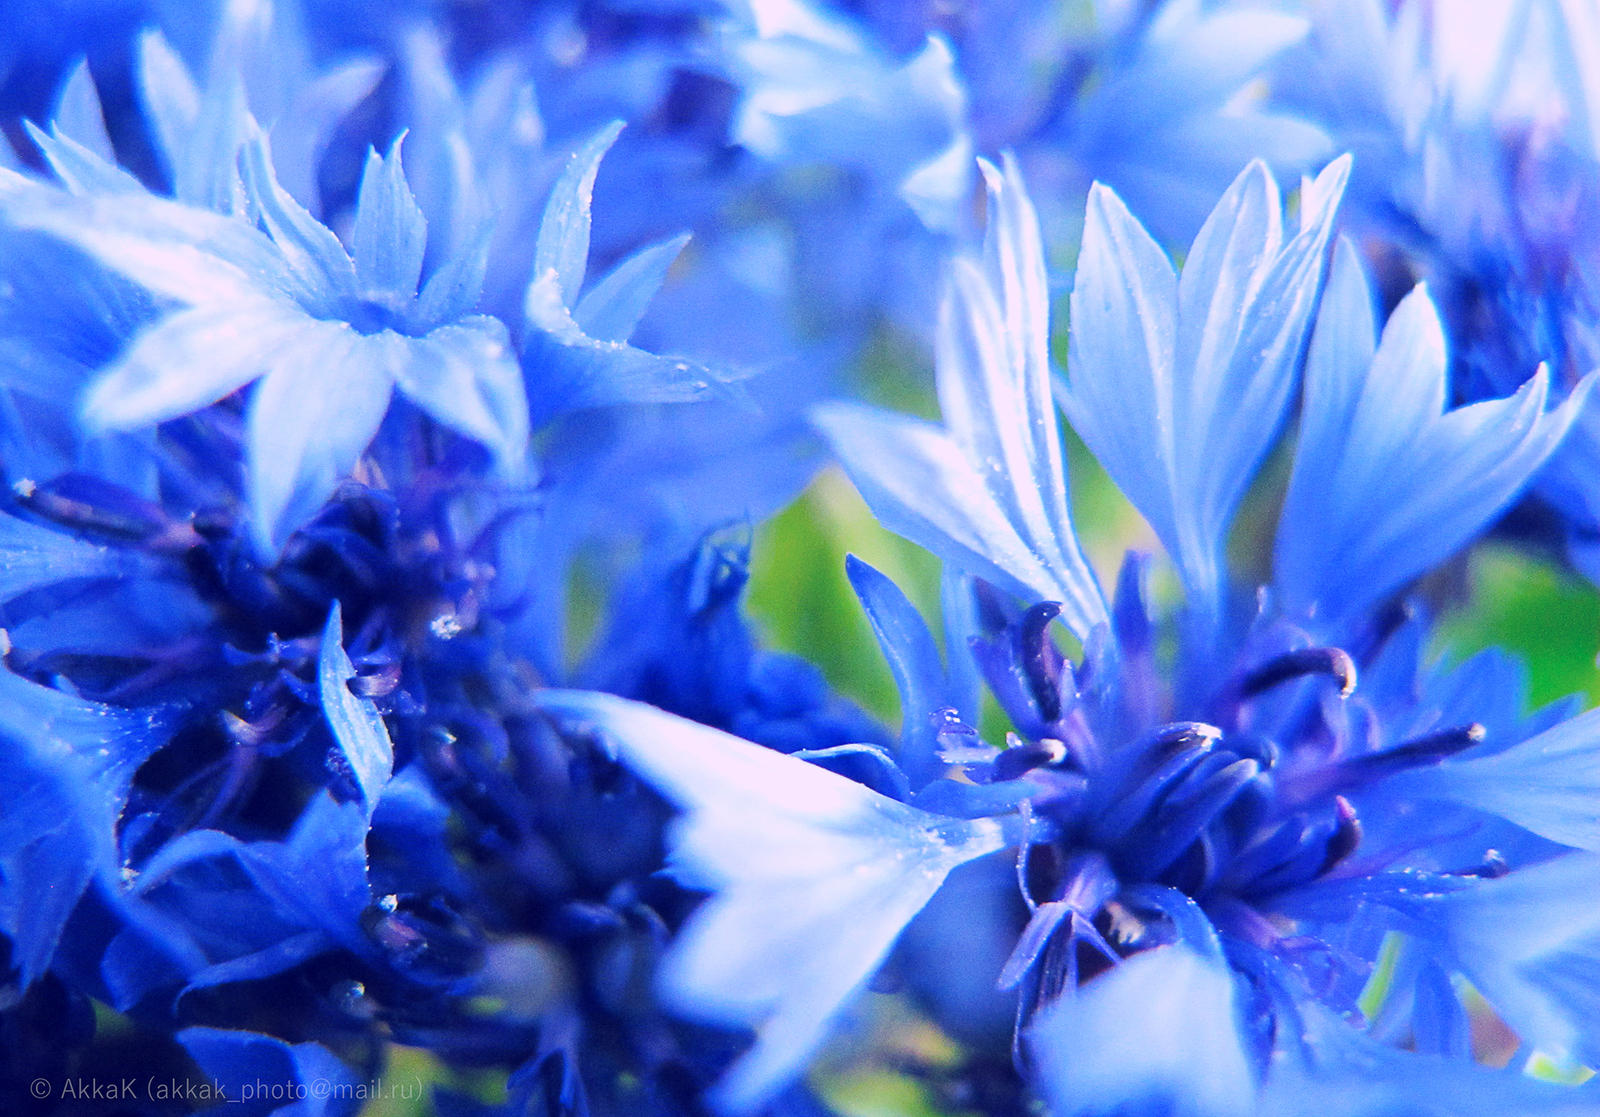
(388,393)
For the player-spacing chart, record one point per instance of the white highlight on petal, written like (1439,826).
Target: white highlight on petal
(1155,1034)
(815,877)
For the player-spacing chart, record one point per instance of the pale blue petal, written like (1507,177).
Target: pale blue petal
(815,877)
(1224,274)
(303,132)
(310,250)
(182,253)
(992,350)
(1120,356)
(1260,379)
(453,290)
(1013,255)
(1530,943)
(190,359)
(919,482)
(939,188)
(33,556)
(1172,124)
(197,137)
(1180,387)
(171,100)
(568,370)
(78,117)
(66,767)
(355,722)
(1190,56)
(990,495)
(1386,483)
(563,247)
(80,170)
(613,306)
(389,234)
(995,398)
(442,172)
(1345,1073)
(913,657)
(1549,784)
(207,165)
(959,605)
(467,377)
(311,418)
(1156,1034)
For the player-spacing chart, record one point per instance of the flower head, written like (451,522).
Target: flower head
(1201,837)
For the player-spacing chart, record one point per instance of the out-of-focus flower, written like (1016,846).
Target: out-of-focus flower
(1476,169)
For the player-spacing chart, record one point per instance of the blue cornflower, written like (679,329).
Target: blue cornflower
(262,685)
(1253,865)
(286,306)
(1478,169)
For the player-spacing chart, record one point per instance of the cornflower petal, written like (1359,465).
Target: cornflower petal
(301,134)
(81,170)
(1387,483)
(67,766)
(308,247)
(921,484)
(1345,1073)
(467,377)
(78,116)
(390,233)
(33,556)
(1530,943)
(355,722)
(613,306)
(1549,784)
(239,1063)
(563,248)
(1020,404)
(311,417)
(1179,386)
(572,368)
(815,877)
(190,359)
(168,92)
(990,495)
(177,252)
(913,657)
(453,290)
(1156,1034)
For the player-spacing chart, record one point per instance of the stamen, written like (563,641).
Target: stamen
(1088,886)
(1040,660)
(1023,757)
(1333,662)
(1417,753)
(1346,834)
(1046,918)
(1169,754)
(1204,793)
